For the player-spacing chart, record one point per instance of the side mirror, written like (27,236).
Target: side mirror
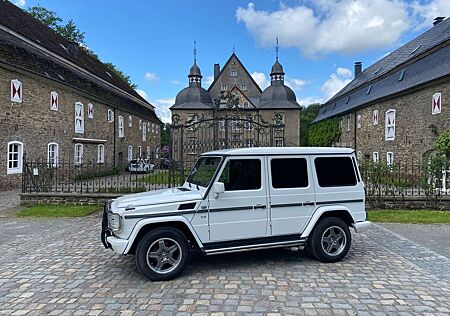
(218,188)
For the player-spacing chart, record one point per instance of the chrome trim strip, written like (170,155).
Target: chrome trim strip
(256,246)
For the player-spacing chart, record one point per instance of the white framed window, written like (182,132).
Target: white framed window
(54,101)
(375,117)
(192,146)
(390,125)
(389,158)
(358,121)
(436,103)
(130,152)
(149,153)
(140,124)
(52,154)
(157,129)
(16,91)
(110,116)
(359,155)
(282,118)
(144,132)
(130,121)
(79,118)
(90,110)
(233,73)
(15,154)
(341,124)
(222,125)
(101,153)
(121,127)
(235,125)
(140,151)
(375,157)
(157,152)
(348,123)
(224,87)
(78,156)
(191,119)
(248,125)
(153,128)
(244,87)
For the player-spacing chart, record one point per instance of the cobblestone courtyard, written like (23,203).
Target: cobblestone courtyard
(59,267)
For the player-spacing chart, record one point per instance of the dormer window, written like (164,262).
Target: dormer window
(233,73)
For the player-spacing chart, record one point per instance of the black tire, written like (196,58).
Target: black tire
(323,236)
(157,254)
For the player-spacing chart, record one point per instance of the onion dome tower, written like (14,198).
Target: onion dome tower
(193,96)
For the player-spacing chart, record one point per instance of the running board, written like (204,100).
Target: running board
(290,243)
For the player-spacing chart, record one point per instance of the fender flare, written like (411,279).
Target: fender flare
(158,220)
(318,212)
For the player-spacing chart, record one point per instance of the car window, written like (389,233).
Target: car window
(242,174)
(289,173)
(335,171)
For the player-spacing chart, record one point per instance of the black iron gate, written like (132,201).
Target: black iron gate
(219,129)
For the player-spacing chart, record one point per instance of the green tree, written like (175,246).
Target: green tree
(165,134)
(306,118)
(324,133)
(71,32)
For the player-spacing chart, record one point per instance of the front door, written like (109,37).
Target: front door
(292,194)
(240,212)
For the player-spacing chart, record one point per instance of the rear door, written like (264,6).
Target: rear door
(291,193)
(240,212)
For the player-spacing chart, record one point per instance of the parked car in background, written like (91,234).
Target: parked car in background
(239,200)
(141,166)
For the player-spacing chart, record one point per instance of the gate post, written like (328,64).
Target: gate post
(181,155)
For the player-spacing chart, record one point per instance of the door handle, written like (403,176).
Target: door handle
(259,206)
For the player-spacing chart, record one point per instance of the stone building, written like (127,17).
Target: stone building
(243,124)
(59,103)
(393,110)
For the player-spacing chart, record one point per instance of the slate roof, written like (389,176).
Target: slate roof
(425,58)
(15,52)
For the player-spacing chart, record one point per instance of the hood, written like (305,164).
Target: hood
(171,195)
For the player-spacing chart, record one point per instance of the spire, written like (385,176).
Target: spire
(277,73)
(195,76)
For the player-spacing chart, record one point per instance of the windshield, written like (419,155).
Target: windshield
(204,170)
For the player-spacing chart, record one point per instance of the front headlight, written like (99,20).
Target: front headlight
(114,222)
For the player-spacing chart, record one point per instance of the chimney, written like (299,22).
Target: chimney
(216,71)
(73,48)
(358,68)
(438,20)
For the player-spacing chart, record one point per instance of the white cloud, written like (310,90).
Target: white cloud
(336,82)
(427,11)
(261,79)
(208,80)
(20,3)
(175,82)
(142,93)
(151,77)
(305,102)
(345,26)
(162,108)
(294,83)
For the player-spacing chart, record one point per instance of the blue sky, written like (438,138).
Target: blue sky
(152,41)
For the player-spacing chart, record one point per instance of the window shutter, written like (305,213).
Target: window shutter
(16,91)
(390,125)
(375,117)
(54,101)
(121,127)
(90,111)
(436,104)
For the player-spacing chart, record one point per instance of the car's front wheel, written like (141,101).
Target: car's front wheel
(162,254)
(330,240)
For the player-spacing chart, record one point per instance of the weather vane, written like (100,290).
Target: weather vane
(276,50)
(195,51)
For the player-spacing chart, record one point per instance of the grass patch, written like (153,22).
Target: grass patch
(410,216)
(47,210)
(160,177)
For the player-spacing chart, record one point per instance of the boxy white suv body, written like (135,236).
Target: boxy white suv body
(243,199)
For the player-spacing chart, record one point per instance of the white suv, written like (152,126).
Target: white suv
(243,199)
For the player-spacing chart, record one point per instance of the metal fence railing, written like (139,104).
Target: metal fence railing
(91,177)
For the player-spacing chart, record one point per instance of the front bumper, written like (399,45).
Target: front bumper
(116,244)
(361,227)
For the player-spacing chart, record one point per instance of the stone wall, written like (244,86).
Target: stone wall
(415,125)
(33,123)
(28,199)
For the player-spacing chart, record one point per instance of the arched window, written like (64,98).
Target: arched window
(130,152)
(15,154)
(52,154)
(78,156)
(101,153)
(121,127)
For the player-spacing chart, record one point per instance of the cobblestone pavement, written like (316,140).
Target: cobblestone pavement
(59,267)
(437,235)
(9,199)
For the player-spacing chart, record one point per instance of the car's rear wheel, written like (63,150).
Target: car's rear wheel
(330,240)
(162,254)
